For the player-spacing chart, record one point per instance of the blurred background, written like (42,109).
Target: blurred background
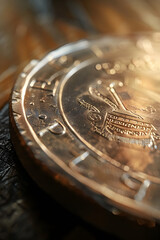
(29,29)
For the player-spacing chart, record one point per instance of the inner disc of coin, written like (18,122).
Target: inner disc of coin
(114,109)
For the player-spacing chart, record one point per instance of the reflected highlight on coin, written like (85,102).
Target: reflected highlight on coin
(87,115)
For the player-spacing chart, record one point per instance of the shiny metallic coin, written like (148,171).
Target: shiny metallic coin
(88,116)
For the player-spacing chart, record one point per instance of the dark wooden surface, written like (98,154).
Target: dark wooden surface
(29,29)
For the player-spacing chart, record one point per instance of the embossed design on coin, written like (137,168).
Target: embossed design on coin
(93,122)
(119,123)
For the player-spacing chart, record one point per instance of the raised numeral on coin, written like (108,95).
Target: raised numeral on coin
(56,128)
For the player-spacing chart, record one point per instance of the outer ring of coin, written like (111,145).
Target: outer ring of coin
(45,166)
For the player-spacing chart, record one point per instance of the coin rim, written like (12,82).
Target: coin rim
(122,202)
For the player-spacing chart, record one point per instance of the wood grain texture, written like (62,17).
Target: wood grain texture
(29,30)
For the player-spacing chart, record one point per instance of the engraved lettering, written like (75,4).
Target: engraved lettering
(79,159)
(41,85)
(55,87)
(15,100)
(140,186)
(16,115)
(49,85)
(56,128)
(142,190)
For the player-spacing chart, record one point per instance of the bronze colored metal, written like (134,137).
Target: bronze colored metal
(87,115)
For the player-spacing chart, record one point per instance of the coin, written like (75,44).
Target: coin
(87,115)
